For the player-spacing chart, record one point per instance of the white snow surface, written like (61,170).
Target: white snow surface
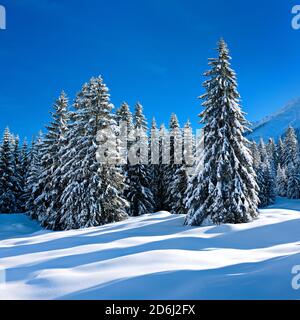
(153,257)
(275,125)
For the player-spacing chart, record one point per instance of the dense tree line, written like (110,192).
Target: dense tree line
(278,167)
(61,181)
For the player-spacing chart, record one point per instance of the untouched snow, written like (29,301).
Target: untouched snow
(276,124)
(154,257)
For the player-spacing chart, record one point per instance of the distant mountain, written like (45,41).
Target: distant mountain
(275,125)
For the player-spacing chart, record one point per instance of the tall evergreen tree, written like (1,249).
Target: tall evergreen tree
(17,173)
(280,153)
(255,155)
(123,114)
(189,148)
(32,186)
(290,152)
(140,196)
(124,120)
(48,203)
(154,165)
(281,182)
(24,171)
(293,185)
(266,183)
(264,156)
(164,158)
(7,175)
(272,155)
(91,197)
(175,176)
(225,191)
(124,117)
(178,190)
(265,175)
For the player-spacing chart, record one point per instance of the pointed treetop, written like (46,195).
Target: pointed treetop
(123,114)
(123,111)
(188,124)
(139,118)
(153,124)
(174,124)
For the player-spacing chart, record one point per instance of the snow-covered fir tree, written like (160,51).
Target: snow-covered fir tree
(178,190)
(23,172)
(281,182)
(164,159)
(255,155)
(154,164)
(290,150)
(8,181)
(225,191)
(94,191)
(123,114)
(32,186)
(272,155)
(266,183)
(280,153)
(264,157)
(189,148)
(47,205)
(139,195)
(17,173)
(293,184)
(177,173)
(124,120)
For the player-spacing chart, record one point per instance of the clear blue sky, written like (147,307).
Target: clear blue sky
(154,51)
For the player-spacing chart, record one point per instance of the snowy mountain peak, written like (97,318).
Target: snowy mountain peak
(275,125)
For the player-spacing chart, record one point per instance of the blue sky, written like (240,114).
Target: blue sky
(154,51)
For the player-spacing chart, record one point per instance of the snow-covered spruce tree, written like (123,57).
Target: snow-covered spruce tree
(264,157)
(123,114)
(139,195)
(290,150)
(272,155)
(48,203)
(93,192)
(32,190)
(178,190)
(17,173)
(293,185)
(281,182)
(175,166)
(24,171)
(265,175)
(164,159)
(280,153)
(154,165)
(125,117)
(182,174)
(7,175)
(255,155)
(266,183)
(171,168)
(225,191)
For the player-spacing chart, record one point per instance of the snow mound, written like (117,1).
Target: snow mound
(155,257)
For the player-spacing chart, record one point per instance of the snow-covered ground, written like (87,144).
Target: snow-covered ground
(153,257)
